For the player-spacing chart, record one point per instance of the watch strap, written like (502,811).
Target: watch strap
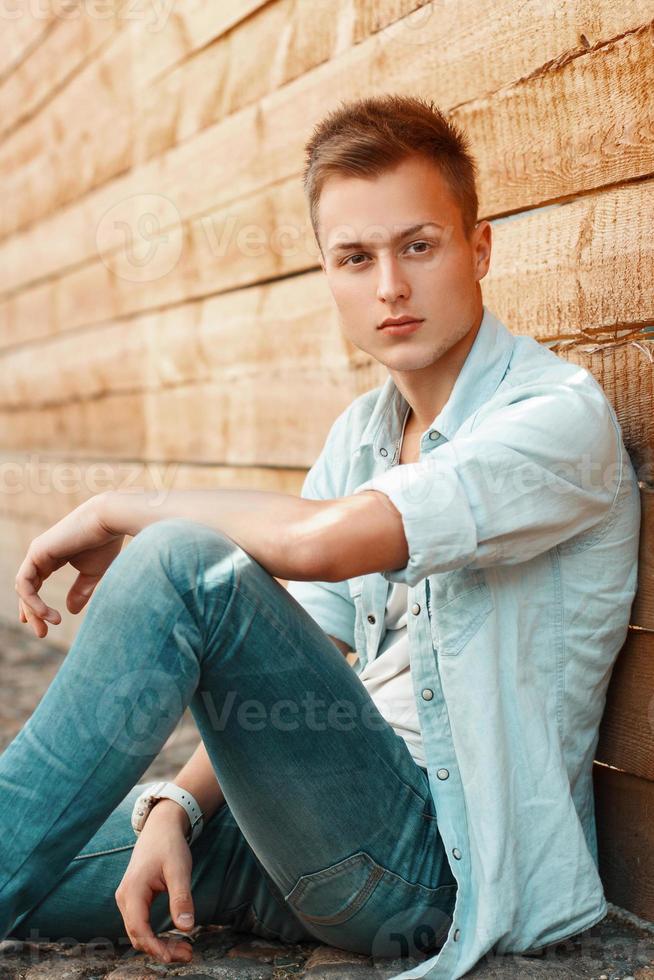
(165,790)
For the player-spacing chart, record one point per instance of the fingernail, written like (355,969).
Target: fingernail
(186,919)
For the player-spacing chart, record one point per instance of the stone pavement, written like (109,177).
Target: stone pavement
(620,947)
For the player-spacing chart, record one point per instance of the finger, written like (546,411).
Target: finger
(179,897)
(30,578)
(37,624)
(139,930)
(48,612)
(180,950)
(81,591)
(28,582)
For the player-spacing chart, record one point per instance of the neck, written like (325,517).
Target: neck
(428,389)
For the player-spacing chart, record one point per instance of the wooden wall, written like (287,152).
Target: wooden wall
(163,321)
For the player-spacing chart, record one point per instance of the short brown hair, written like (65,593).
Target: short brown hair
(369,136)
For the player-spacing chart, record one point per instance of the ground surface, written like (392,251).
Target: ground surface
(618,948)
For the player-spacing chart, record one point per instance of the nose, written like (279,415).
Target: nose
(391,283)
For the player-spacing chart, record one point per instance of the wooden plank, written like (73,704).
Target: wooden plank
(642,613)
(624,807)
(204,173)
(627,729)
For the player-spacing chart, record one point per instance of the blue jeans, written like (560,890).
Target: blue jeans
(329,830)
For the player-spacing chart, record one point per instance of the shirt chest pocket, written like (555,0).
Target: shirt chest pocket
(459,601)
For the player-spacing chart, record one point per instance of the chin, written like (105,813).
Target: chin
(408,360)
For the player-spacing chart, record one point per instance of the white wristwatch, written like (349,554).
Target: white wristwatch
(167,791)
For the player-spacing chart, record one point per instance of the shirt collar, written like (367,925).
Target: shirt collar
(482,371)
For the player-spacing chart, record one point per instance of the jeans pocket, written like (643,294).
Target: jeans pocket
(360,905)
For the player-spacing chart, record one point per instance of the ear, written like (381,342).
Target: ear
(482,244)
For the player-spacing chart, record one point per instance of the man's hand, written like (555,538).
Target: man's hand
(81,539)
(161,862)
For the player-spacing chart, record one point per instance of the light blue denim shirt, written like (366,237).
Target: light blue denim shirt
(522,519)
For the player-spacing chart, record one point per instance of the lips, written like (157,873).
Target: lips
(398,321)
(401,327)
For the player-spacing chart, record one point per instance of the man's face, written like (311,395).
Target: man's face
(431,274)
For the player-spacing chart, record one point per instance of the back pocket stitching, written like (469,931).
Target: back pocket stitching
(346,913)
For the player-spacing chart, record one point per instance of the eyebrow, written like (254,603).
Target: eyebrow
(344,246)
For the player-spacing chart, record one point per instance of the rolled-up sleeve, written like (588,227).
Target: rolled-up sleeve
(537,471)
(328,603)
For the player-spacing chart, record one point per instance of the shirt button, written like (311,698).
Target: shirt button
(415,608)
(443,773)
(456,853)
(455,936)
(383,452)
(433,435)
(371,619)
(427,694)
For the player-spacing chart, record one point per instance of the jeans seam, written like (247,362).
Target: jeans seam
(110,850)
(259,922)
(57,819)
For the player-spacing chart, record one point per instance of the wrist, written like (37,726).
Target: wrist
(117,514)
(169,812)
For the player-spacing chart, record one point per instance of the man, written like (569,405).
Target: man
(470,528)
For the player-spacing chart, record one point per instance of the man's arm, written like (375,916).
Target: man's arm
(199,778)
(291,537)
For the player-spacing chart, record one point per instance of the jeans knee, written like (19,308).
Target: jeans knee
(178,535)
(169,531)
(184,548)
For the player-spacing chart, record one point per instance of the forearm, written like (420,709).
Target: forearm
(291,537)
(197,777)
(266,524)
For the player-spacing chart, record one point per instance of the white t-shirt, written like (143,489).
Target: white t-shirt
(387,678)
